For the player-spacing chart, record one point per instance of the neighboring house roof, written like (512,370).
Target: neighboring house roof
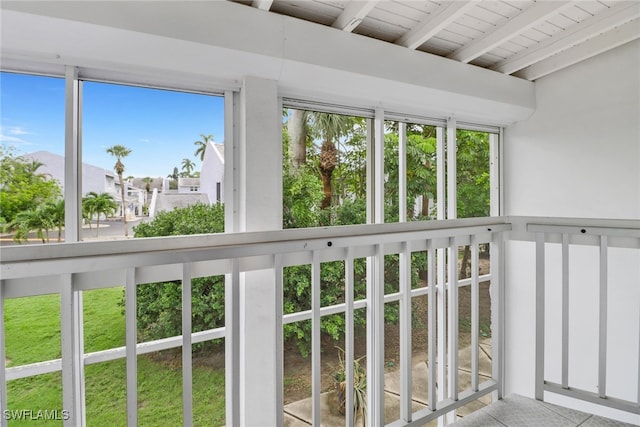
(187,182)
(219,148)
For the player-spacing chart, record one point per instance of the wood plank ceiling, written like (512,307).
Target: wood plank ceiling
(525,38)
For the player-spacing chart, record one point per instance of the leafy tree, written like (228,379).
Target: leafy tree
(98,205)
(202,145)
(174,175)
(147,183)
(120,152)
(22,188)
(159,303)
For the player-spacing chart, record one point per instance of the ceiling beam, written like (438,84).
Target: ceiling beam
(591,27)
(436,22)
(529,18)
(353,14)
(592,47)
(262,4)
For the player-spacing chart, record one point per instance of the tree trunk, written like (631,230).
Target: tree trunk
(297,128)
(425,205)
(327,188)
(465,264)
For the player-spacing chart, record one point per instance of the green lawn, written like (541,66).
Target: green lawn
(32,327)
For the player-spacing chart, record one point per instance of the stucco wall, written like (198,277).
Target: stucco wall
(577,156)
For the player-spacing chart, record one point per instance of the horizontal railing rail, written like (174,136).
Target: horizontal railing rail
(69,269)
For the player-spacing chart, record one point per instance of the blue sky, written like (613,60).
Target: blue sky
(158,126)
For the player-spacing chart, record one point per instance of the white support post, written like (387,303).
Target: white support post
(431,324)
(540,280)
(259,152)
(475,313)
(405,334)
(602,318)
(565,310)
(315,339)
(131,343)
(232,343)
(348,334)
(3,357)
(73,215)
(187,365)
(378,168)
(279,335)
(231,162)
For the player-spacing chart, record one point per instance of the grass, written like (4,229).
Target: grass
(32,327)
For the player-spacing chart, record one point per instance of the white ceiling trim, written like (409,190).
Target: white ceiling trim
(615,16)
(592,47)
(447,13)
(532,16)
(353,14)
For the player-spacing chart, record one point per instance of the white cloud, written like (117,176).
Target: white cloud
(17,130)
(13,139)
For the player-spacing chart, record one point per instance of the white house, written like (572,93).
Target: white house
(557,83)
(212,172)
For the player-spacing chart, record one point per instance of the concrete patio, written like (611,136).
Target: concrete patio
(298,414)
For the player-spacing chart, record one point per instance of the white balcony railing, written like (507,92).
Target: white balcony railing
(69,269)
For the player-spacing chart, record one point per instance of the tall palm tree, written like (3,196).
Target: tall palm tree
(202,145)
(187,166)
(330,127)
(120,152)
(297,129)
(98,204)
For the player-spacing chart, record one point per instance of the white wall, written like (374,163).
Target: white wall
(577,156)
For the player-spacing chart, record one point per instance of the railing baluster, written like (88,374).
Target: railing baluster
(72,352)
(442,329)
(453,319)
(3,358)
(565,310)
(497,311)
(187,372)
(540,279)
(375,338)
(475,315)
(405,334)
(232,343)
(131,353)
(431,324)
(279,336)
(602,317)
(315,338)
(348,335)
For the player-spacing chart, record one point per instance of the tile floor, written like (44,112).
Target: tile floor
(518,411)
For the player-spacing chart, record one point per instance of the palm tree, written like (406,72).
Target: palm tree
(27,221)
(202,145)
(174,176)
(98,204)
(330,127)
(297,129)
(55,212)
(187,166)
(120,152)
(147,181)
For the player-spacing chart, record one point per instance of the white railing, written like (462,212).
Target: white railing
(69,269)
(603,236)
